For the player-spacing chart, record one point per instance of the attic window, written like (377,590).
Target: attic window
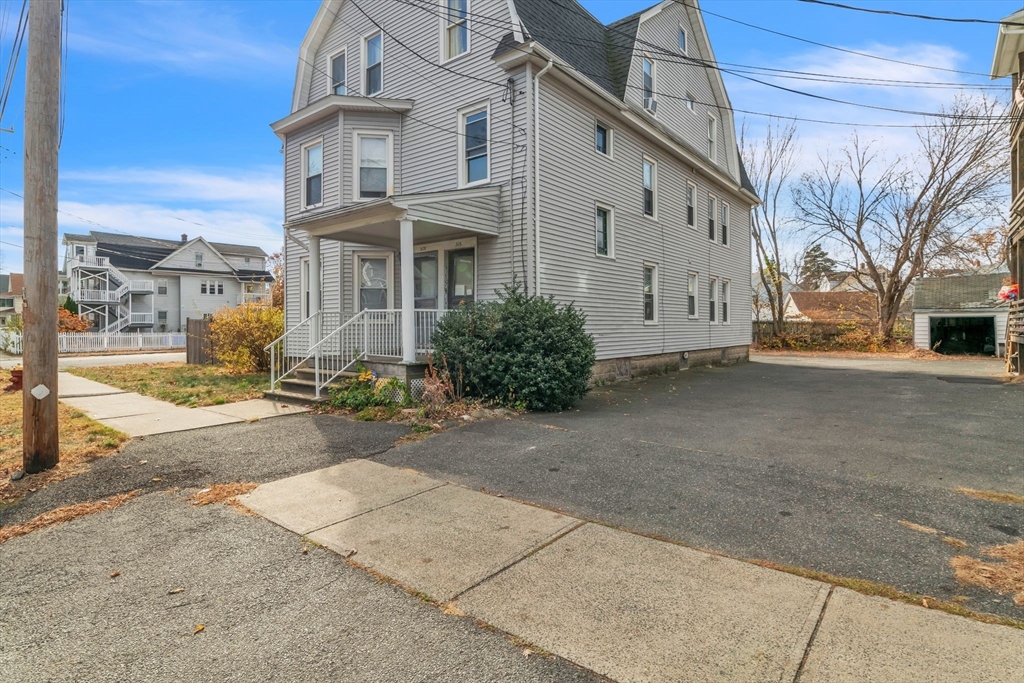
(373,58)
(682,40)
(649,85)
(338,73)
(199,259)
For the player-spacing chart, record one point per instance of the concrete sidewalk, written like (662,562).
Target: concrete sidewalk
(622,605)
(98,360)
(138,415)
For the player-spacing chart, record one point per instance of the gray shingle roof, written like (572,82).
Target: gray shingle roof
(78,238)
(132,251)
(958,292)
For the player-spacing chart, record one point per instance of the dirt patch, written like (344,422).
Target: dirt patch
(62,515)
(994,496)
(222,493)
(1006,577)
(919,527)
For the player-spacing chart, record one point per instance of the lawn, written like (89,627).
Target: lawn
(82,440)
(184,385)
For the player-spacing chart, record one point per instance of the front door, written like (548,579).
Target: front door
(461,277)
(425,285)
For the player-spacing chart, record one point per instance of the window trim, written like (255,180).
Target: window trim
(390,256)
(365,66)
(609,142)
(372,133)
(330,72)
(306,146)
(462,114)
(684,48)
(692,187)
(713,300)
(689,103)
(654,187)
(725,305)
(199,259)
(159,287)
(647,59)
(654,287)
(712,218)
(601,206)
(723,227)
(696,295)
(712,138)
(443,19)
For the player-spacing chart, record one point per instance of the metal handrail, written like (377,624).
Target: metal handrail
(331,355)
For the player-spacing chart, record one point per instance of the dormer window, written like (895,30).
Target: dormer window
(373,58)
(338,74)
(456,30)
(199,259)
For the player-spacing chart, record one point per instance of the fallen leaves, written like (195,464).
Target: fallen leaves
(993,496)
(114,574)
(199,628)
(955,542)
(919,527)
(220,493)
(1006,577)
(175,591)
(62,515)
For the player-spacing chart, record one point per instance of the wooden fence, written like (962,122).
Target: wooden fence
(98,342)
(199,346)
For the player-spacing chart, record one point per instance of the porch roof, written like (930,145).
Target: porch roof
(436,216)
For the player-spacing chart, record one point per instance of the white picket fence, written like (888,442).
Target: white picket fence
(93,342)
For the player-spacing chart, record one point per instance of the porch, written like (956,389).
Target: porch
(416,259)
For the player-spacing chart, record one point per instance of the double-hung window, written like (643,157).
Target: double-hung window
(712,138)
(650,293)
(691,295)
(713,299)
(649,85)
(161,287)
(456,28)
(373,60)
(650,187)
(723,223)
(712,208)
(199,259)
(474,142)
(211,287)
(338,74)
(373,175)
(313,172)
(691,204)
(602,139)
(603,225)
(725,302)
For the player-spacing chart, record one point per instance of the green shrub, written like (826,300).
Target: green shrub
(366,392)
(522,351)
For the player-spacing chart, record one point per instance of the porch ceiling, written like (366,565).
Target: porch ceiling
(436,217)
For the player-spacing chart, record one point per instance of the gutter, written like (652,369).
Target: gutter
(536,175)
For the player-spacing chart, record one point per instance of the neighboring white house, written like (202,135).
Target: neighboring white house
(961,314)
(435,152)
(12,296)
(127,282)
(761,310)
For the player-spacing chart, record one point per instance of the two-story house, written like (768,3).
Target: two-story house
(12,297)
(1009,61)
(436,151)
(124,282)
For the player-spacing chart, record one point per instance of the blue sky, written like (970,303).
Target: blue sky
(168,103)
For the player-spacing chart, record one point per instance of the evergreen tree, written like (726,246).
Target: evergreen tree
(816,264)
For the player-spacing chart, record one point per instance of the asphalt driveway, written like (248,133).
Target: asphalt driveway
(806,462)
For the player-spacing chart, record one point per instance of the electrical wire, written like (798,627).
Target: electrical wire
(12,63)
(912,16)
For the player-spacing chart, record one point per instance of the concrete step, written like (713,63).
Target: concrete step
(293,397)
(310,374)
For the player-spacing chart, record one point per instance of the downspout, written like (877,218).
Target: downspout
(536,175)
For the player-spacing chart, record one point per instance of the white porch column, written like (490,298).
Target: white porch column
(408,295)
(314,283)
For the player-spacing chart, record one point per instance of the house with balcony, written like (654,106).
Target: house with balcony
(435,152)
(128,283)
(1009,61)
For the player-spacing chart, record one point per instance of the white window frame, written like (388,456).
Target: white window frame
(694,279)
(330,71)
(199,259)
(161,284)
(463,113)
(365,67)
(654,188)
(370,133)
(689,103)
(712,218)
(646,59)
(685,40)
(445,57)
(390,256)
(692,187)
(724,225)
(713,300)
(161,313)
(725,305)
(654,292)
(611,230)
(318,142)
(610,154)
(713,138)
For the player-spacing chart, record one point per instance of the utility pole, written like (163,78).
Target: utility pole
(42,117)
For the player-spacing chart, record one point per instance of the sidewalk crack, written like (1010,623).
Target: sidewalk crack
(814,634)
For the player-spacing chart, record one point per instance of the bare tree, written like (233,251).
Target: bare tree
(770,163)
(896,218)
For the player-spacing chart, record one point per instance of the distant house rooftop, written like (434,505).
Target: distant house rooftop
(833,306)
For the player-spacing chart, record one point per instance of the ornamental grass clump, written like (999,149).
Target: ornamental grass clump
(521,351)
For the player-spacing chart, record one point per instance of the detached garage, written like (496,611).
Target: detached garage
(961,314)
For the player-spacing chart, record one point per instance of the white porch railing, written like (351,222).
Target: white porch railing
(96,295)
(426,323)
(141,319)
(291,350)
(141,286)
(88,342)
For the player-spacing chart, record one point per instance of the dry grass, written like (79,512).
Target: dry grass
(919,527)
(955,542)
(184,385)
(1006,577)
(82,440)
(222,493)
(994,496)
(62,515)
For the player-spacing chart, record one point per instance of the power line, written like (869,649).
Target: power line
(910,15)
(12,63)
(12,244)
